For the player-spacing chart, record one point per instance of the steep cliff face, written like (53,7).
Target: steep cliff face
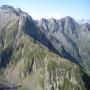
(28,58)
(69,38)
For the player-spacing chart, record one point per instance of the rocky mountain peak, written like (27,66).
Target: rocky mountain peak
(52,20)
(6,7)
(69,21)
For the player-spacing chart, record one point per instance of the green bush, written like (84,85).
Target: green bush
(52,65)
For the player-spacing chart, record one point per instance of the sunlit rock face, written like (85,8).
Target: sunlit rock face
(69,38)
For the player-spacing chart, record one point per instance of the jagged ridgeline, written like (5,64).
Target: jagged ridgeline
(42,55)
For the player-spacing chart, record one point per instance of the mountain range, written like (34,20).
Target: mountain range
(83,21)
(46,54)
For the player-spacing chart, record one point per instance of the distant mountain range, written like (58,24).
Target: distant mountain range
(83,21)
(46,54)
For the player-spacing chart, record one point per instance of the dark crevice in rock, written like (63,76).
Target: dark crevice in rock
(30,68)
(86,80)
(5,57)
